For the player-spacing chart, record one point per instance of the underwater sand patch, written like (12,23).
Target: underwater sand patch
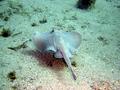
(101,85)
(16,48)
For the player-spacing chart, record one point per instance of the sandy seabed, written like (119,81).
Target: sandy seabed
(97,60)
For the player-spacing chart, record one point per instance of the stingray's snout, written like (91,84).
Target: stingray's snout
(35,34)
(35,37)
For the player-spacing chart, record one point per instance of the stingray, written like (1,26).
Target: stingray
(62,43)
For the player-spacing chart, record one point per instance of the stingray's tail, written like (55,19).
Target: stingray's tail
(67,60)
